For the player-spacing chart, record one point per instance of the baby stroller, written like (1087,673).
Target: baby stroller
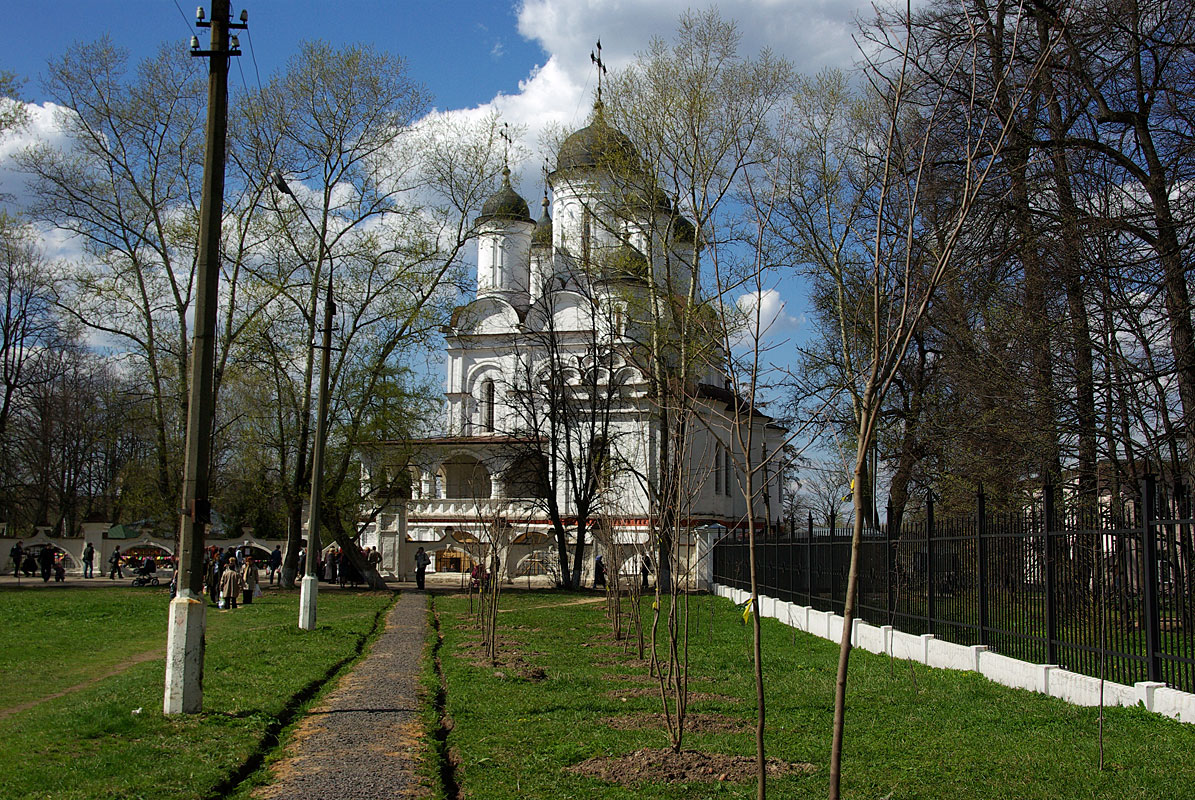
(146,574)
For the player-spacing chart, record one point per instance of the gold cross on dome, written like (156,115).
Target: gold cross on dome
(601,67)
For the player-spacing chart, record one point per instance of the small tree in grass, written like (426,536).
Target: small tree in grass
(926,186)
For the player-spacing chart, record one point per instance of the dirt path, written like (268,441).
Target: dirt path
(362,741)
(139,658)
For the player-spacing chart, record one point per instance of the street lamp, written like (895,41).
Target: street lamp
(309,586)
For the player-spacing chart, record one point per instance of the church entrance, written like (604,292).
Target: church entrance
(453,561)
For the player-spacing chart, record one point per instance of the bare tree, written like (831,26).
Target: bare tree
(700,116)
(905,269)
(569,398)
(380,208)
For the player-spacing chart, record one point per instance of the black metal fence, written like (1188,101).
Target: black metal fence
(1106,593)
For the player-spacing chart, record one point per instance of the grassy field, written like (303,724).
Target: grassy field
(912,732)
(90,664)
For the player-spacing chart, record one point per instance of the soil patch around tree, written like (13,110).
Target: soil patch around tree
(654,691)
(694,723)
(510,661)
(629,677)
(687,766)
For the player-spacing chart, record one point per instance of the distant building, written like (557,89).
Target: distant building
(560,310)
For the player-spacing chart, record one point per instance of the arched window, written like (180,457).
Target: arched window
(496,265)
(586,237)
(717,469)
(726,471)
(487,406)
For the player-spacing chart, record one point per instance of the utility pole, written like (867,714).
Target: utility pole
(185,637)
(309,587)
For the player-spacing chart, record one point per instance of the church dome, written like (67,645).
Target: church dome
(683,231)
(596,143)
(505,204)
(626,261)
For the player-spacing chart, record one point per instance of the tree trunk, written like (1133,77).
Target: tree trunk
(848,618)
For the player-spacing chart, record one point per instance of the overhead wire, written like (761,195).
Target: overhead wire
(190,28)
(253,55)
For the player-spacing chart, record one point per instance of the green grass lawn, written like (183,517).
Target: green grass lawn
(88,743)
(912,731)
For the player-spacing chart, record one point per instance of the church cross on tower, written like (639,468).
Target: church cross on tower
(601,68)
(505,134)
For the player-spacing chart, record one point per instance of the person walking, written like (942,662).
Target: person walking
(211,571)
(421,562)
(333,565)
(114,561)
(45,560)
(599,573)
(275,562)
(249,576)
(231,585)
(89,561)
(17,554)
(374,559)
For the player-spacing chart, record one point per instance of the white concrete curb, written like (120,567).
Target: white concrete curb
(1050,679)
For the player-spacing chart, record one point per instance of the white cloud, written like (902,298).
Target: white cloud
(813,34)
(42,127)
(547,98)
(769,308)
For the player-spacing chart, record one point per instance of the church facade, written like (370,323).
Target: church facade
(553,421)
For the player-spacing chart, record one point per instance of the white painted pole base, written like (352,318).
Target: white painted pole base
(308,589)
(184,655)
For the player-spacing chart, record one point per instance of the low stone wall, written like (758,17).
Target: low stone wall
(73,546)
(1050,679)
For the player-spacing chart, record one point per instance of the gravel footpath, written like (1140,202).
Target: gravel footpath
(362,741)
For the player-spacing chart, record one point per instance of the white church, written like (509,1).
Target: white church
(546,361)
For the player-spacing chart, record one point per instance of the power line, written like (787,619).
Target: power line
(186,20)
(253,55)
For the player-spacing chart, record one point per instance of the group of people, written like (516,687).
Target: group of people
(28,562)
(51,561)
(336,566)
(231,576)
(117,561)
(599,571)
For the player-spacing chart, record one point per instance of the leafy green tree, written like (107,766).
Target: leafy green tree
(380,205)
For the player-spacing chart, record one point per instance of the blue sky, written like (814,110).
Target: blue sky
(465,52)
(527,59)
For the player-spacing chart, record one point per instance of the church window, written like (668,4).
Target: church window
(726,472)
(717,469)
(487,406)
(586,236)
(496,265)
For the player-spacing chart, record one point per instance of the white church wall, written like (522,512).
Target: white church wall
(503,257)
(571,312)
